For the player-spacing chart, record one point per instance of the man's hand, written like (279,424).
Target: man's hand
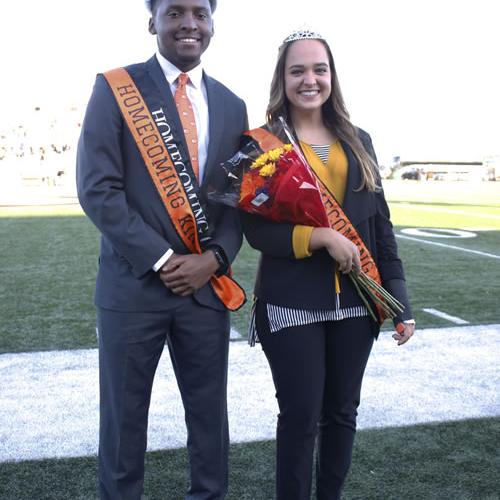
(184,274)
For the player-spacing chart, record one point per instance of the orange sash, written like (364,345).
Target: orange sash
(336,217)
(340,222)
(161,168)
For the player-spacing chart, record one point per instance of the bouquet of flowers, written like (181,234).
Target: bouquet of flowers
(272,179)
(275,183)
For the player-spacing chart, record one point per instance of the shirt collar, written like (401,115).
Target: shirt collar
(172,72)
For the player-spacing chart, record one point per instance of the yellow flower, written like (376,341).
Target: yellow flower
(266,159)
(260,161)
(267,170)
(274,154)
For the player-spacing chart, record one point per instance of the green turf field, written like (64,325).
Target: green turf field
(446,461)
(49,261)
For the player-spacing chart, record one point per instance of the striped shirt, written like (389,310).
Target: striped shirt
(322,150)
(281,317)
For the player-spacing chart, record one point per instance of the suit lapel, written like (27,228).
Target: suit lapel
(358,205)
(216,123)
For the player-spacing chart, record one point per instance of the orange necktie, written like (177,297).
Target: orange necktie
(186,114)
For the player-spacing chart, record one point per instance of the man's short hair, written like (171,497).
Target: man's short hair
(150,4)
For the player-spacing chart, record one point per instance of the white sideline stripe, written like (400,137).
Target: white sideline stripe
(234,334)
(49,400)
(449,317)
(448,211)
(468,250)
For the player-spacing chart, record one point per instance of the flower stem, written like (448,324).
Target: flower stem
(362,297)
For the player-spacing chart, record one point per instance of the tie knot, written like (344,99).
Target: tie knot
(183,79)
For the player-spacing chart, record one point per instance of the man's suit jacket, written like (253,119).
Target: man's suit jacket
(309,283)
(118,195)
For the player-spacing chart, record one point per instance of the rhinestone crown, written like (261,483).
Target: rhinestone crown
(303,34)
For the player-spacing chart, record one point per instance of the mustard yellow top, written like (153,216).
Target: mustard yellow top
(334,175)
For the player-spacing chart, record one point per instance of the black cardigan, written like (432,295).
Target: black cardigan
(309,283)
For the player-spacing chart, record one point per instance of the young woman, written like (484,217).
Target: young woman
(314,329)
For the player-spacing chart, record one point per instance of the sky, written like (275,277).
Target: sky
(422,77)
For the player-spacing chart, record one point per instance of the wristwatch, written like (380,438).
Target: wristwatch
(221,259)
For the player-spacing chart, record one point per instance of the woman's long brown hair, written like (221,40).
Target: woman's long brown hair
(334,113)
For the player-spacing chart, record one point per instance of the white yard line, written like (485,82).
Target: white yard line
(49,400)
(234,334)
(449,317)
(437,244)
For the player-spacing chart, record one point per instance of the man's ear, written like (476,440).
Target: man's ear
(213,28)
(152,28)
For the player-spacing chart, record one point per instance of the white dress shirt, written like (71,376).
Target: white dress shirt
(197,94)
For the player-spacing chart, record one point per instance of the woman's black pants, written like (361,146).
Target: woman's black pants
(317,371)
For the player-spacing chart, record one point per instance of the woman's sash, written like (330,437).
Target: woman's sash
(173,177)
(336,216)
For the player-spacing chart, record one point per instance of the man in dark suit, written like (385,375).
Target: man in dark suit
(150,288)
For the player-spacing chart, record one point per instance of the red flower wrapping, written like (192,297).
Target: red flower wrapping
(275,183)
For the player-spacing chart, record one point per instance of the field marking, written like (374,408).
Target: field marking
(50,403)
(448,211)
(234,334)
(436,232)
(435,243)
(449,317)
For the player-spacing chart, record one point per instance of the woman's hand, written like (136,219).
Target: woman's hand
(340,248)
(405,333)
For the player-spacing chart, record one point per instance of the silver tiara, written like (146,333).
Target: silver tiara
(303,34)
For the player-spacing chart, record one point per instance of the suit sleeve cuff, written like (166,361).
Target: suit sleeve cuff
(300,239)
(162,260)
